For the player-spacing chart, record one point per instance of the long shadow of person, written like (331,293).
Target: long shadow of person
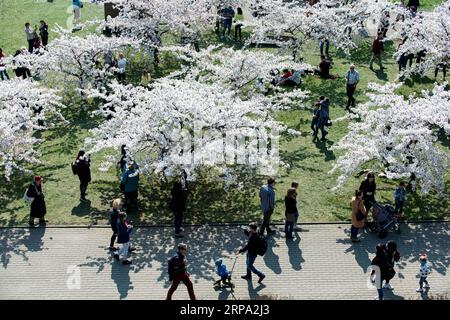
(360,252)
(322,146)
(252,291)
(121,276)
(271,260)
(295,253)
(34,241)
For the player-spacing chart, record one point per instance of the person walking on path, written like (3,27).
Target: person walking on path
(352,79)
(368,187)
(130,182)
(252,252)
(424,271)
(324,116)
(3,66)
(178,272)
(43,32)
(178,206)
(291,210)
(393,256)
(30,37)
(37,208)
(267,198)
(83,165)
(377,50)
(113,217)
(359,215)
(380,270)
(400,197)
(124,229)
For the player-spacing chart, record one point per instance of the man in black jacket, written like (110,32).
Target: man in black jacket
(178,272)
(83,164)
(252,252)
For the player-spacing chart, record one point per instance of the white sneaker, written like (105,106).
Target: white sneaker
(377,298)
(426,286)
(419,290)
(388,286)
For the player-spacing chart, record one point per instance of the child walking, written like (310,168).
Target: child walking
(424,271)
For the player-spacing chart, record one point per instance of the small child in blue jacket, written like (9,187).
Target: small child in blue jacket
(400,197)
(222,271)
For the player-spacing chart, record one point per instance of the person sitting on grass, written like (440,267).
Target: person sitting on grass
(290,78)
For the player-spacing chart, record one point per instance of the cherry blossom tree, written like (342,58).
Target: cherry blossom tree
(25,106)
(425,32)
(289,24)
(79,60)
(399,136)
(187,125)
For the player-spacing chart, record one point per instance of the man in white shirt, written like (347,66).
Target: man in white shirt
(352,79)
(30,36)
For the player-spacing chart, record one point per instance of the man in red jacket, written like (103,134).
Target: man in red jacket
(377,50)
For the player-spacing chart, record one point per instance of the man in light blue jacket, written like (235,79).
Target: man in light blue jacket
(267,197)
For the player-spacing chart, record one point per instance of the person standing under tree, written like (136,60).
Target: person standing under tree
(377,50)
(368,187)
(178,206)
(352,79)
(83,169)
(121,64)
(130,182)
(178,272)
(77,5)
(30,37)
(267,198)
(43,31)
(37,208)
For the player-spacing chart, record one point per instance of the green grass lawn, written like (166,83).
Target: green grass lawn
(309,161)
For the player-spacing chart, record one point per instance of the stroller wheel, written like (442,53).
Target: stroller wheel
(382,234)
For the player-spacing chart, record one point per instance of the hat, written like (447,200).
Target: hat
(423,256)
(219,262)
(37,178)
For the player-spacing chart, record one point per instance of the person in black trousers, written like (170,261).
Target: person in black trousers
(368,187)
(83,164)
(290,202)
(252,252)
(178,206)
(43,32)
(38,208)
(116,205)
(380,270)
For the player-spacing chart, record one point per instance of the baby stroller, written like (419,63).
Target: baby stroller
(383,218)
(225,275)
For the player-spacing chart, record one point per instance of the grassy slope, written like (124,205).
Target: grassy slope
(309,162)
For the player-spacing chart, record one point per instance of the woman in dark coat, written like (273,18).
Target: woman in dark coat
(368,187)
(178,206)
(381,261)
(290,202)
(83,164)
(393,256)
(38,208)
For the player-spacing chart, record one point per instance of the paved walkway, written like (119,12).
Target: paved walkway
(320,263)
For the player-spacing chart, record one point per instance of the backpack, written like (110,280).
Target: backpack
(262,245)
(74,168)
(171,266)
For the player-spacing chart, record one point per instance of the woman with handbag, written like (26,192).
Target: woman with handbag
(37,207)
(393,256)
(290,202)
(359,215)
